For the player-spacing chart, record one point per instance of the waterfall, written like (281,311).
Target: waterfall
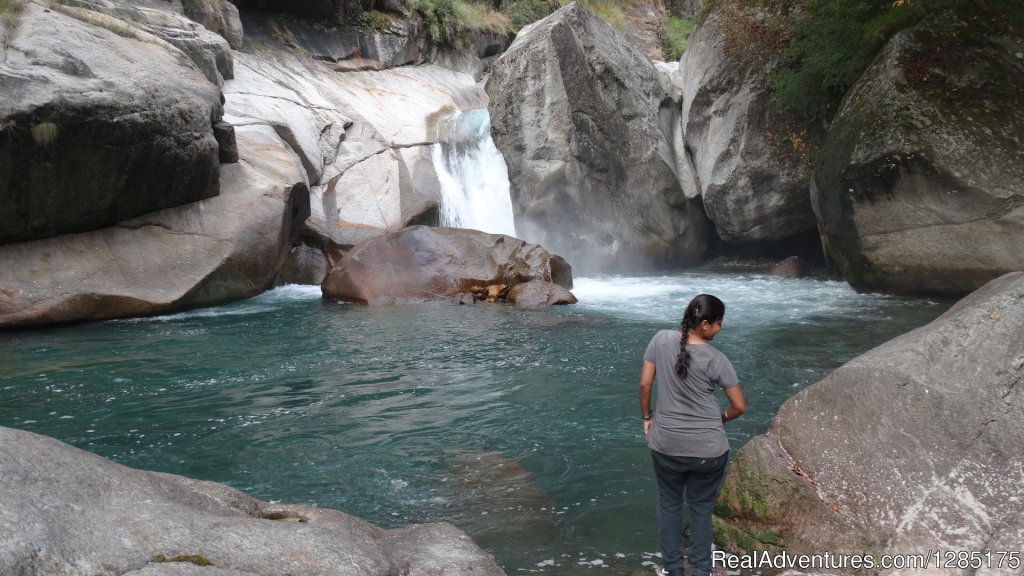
(473,175)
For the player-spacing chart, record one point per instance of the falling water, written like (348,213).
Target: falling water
(473,175)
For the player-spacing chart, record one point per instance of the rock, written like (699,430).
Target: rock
(496,499)
(305,265)
(365,138)
(210,52)
(792,267)
(645,20)
(225,135)
(753,181)
(912,446)
(577,114)
(421,264)
(204,253)
(71,513)
(539,293)
(921,189)
(100,127)
(220,16)
(492,293)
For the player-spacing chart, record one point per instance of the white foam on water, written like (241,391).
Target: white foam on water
(473,175)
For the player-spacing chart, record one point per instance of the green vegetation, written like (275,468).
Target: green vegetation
(607,10)
(374,21)
(674,35)
(197,559)
(834,44)
(523,12)
(451,22)
(9,11)
(45,133)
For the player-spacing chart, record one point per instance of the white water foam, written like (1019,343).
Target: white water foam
(473,175)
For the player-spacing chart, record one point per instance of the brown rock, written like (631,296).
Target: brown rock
(538,293)
(792,267)
(420,264)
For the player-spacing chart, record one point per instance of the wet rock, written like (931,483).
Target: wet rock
(224,248)
(495,498)
(539,294)
(420,264)
(792,267)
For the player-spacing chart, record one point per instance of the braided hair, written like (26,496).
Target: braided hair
(702,307)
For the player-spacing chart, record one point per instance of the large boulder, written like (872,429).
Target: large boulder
(921,188)
(753,181)
(67,512)
(421,264)
(593,175)
(100,125)
(910,447)
(204,253)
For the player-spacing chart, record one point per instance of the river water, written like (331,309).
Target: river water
(521,427)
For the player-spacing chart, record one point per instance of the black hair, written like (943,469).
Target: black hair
(702,307)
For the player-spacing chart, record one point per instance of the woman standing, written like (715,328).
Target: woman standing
(686,432)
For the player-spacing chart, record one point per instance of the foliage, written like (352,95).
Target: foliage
(523,12)
(451,22)
(674,35)
(607,10)
(45,133)
(374,20)
(834,44)
(9,11)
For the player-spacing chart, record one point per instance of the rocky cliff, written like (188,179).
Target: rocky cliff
(920,186)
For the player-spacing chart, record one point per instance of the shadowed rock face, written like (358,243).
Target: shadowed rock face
(421,264)
(72,513)
(753,185)
(914,445)
(98,128)
(921,187)
(576,112)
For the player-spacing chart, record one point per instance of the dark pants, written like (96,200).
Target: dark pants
(700,479)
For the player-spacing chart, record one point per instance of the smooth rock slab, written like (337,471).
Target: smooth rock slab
(66,512)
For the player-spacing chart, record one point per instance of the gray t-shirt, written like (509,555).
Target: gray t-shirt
(687,419)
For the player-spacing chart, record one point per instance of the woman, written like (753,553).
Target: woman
(686,432)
